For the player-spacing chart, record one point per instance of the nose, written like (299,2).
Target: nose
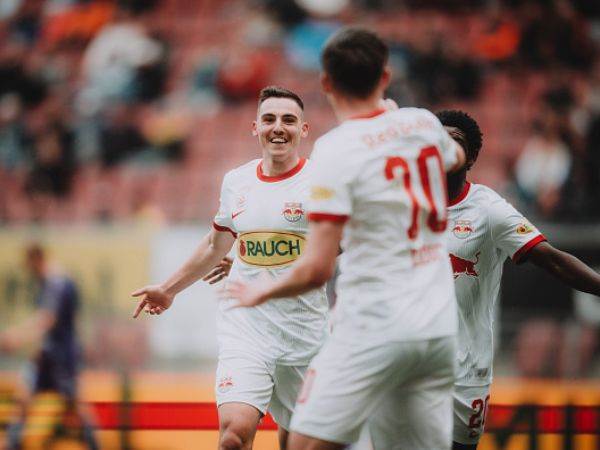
(278,128)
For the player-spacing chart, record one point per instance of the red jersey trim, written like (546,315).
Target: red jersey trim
(370,115)
(337,218)
(272,179)
(224,229)
(460,197)
(525,249)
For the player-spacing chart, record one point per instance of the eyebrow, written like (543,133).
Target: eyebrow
(285,116)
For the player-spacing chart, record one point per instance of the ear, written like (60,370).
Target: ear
(386,77)
(304,131)
(254,128)
(326,83)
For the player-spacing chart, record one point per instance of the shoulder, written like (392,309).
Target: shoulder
(241,172)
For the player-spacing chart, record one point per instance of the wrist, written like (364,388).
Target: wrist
(169,290)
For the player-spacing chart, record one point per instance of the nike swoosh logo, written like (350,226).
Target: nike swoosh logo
(234,215)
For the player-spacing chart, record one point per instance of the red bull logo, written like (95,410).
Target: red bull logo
(462,229)
(225,384)
(462,266)
(293,212)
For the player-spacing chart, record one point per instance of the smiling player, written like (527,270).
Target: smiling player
(263,351)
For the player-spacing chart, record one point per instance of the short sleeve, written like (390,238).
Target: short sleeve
(223,220)
(50,297)
(330,191)
(511,232)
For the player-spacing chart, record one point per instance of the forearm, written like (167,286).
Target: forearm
(301,279)
(571,271)
(206,256)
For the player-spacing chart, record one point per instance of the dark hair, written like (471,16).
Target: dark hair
(354,60)
(279,92)
(465,123)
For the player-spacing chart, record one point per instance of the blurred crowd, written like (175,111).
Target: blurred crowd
(103,85)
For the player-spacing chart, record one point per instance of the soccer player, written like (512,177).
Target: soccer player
(263,351)
(378,182)
(485,231)
(51,329)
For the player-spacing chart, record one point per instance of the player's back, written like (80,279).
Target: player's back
(386,174)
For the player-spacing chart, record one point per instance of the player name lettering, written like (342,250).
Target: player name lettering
(269,248)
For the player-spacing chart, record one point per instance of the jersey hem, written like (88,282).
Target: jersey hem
(223,229)
(337,218)
(527,247)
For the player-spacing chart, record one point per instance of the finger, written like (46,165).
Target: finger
(212,273)
(139,292)
(141,305)
(217,279)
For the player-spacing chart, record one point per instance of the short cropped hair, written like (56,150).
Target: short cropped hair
(279,92)
(354,59)
(469,126)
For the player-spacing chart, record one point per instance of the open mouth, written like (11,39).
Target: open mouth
(278,140)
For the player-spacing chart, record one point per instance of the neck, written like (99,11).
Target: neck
(347,108)
(272,167)
(456,183)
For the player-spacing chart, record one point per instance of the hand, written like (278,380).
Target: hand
(8,343)
(219,272)
(155,300)
(245,295)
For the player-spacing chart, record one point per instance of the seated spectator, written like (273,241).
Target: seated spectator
(14,140)
(113,59)
(120,137)
(543,166)
(53,162)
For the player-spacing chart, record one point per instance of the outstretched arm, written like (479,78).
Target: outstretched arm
(29,332)
(565,267)
(312,269)
(213,247)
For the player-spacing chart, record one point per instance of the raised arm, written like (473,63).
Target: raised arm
(211,250)
(566,267)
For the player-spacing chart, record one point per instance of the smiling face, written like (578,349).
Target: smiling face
(279,126)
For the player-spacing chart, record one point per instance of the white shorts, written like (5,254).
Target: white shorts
(246,378)
(470,411)
(405,386)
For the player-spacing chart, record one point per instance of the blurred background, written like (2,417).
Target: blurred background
(118,120)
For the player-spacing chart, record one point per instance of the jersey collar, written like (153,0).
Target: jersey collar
(460,197)
(369,115)
(284,176)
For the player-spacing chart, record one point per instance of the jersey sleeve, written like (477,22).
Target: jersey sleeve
(223,219)
(51,297)
(329,187)
(511,232)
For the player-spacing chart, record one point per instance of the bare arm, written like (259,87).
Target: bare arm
(211,250)
(565,267)
(312,270)
(29,332)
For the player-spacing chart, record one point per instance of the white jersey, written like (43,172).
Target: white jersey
(267,215)
(385,175)
(485,230)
